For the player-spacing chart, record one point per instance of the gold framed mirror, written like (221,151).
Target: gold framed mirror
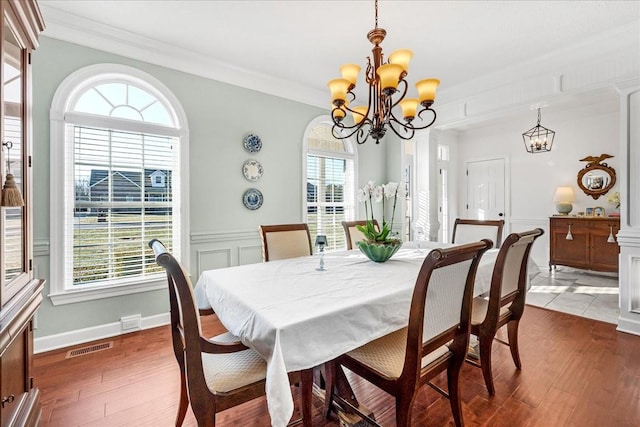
(597,178)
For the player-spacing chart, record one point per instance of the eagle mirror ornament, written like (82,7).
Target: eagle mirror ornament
(596,178)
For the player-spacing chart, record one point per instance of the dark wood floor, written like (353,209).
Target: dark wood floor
(576,372)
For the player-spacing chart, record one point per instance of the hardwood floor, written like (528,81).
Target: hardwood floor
(576,372)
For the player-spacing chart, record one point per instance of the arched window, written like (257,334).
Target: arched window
(118,146)
(330,170)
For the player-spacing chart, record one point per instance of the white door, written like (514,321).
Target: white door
(486,189)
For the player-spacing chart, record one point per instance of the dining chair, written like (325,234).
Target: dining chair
(216,373)
(352,233)
(505,303)
(285,241)
(472,230)
(435,339)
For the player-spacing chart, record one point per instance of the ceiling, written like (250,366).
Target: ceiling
(300,45)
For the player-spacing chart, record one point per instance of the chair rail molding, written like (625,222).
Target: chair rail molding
(214,236)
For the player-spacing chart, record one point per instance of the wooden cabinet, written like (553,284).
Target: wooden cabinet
(587,243)
(20,292)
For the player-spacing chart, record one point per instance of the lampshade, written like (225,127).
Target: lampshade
(338,88)
(401,57)
(350,73)
(359,113)
(563,198)
(564,194)
(427,90)
(389,77)
(409,107)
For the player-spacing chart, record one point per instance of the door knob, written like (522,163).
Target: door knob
(500,214)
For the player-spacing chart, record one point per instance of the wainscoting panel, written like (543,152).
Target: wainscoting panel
(249,254)
(208,259)
(540,249)
(213,249)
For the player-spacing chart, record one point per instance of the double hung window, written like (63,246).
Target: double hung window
(330,183)
(121,144)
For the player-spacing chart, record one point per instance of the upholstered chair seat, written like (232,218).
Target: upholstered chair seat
(479,310)
(386,355)
(228,371)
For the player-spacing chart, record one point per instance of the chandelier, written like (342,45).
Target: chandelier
(538,139)
(387,89)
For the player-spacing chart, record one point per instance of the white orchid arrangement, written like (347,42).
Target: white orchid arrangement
(614,199)
(379,193)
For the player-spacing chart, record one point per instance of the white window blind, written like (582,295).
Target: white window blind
(329,186)
(117,207)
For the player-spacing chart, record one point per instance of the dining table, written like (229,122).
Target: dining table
(298,316)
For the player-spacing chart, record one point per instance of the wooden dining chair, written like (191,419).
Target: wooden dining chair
(285,241)
(216,373)
(352,233)
(505,303)
(434,341)
(472,230)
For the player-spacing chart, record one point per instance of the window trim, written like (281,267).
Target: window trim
(350,154)
(67,93)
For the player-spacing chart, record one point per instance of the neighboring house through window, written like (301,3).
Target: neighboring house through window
(329,189)
(119,143)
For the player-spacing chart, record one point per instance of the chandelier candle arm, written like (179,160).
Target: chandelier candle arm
(383,79)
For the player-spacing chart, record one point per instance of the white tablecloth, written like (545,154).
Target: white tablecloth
(297,317)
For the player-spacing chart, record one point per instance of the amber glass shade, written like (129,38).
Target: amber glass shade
(359,113)
(350,73)
(409,107)
(389,76)
(339,113)
(339,88)
(401,57)
(427,90)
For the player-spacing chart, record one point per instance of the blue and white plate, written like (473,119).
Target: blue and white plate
(252,199)
(252,170)
(252,143)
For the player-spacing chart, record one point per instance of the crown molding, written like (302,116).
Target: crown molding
(84,32)
(601,60)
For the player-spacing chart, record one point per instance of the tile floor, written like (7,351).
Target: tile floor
(583,293)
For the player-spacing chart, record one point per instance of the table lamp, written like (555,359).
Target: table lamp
(321,242)
(564,197)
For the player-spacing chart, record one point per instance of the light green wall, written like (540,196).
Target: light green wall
(219,115)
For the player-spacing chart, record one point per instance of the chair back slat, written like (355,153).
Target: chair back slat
(285,241)
(472,230)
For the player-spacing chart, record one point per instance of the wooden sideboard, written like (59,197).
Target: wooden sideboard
(584,242)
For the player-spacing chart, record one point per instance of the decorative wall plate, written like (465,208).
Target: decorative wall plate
(252,199)
(252,170)
(252,143)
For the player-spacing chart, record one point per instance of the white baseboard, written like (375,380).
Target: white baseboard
(80,336)
(630,326)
